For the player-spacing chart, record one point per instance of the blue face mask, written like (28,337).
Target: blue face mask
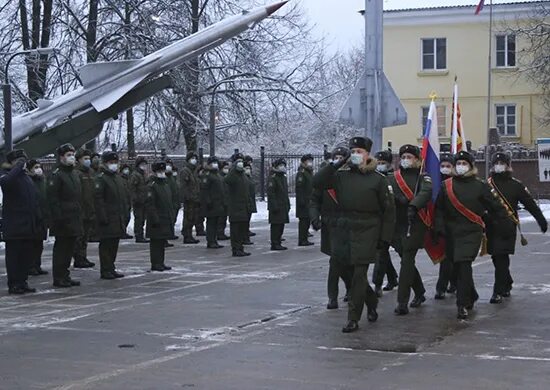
(87,163)
(356,159)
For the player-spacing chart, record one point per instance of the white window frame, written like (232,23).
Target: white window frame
(441,119)
(506,51)
(435,68)
(506,124)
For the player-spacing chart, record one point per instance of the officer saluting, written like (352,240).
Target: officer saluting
(502,237)
(367,219)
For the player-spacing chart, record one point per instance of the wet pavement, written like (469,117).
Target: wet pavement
(217,322)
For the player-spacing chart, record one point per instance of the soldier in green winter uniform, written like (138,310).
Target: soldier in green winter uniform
(86,176)
(190,189)
(64,195)
(304,188)
(239,206)
(213,204)
(199,223)
(252,186)
(35,253)
(464,235)
(502,238)
(172,180)
(125,175)
(278,203)
(138,194)
(446,281)
(225,166)
(111,206)
(383,266)
(366,220)
(410,229)
(160,215)
(324,211)
(95,163)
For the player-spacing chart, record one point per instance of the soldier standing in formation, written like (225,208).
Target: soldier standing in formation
(462,202)
(238,205)
(36,173)
(304,188)
(384,266)
(160,216)
(412,192)
(111,208)
(367,218)
(65,198)
(95,163)
(86,176)
(213,204)
(252,192)
(278,203)
(225,166)
(138,194)
(190,188)
(21,215)
(502,237)
(324,211)
(446,281)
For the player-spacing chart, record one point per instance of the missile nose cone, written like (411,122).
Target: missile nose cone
(274,7)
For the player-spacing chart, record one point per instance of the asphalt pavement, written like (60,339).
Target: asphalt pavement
(217,322)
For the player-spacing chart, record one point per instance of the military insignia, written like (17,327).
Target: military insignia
(390,189)
(427,179)
(527,190)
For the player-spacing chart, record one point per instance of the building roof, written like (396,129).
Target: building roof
(452,7)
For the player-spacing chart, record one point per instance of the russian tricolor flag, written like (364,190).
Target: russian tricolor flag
(480,7)
(430,151)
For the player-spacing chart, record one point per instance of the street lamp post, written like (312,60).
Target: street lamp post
(6,93)
(212,129)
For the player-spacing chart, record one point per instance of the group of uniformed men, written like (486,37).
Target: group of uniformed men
(90,197)
(363,208)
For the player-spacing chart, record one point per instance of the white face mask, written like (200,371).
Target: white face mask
(168,168)
(309,164)
(239,165)
(161,175)
(248,171)
(142,167)
(126,171)
(356,159)
(87,163)
(382,168)
(112,167)
(193,161)
(225,170)
(445,171)
(214,166)
(38,171)
(174,174)
(500,168)
(70,160)
(462,169)
(406,163)
(281,168)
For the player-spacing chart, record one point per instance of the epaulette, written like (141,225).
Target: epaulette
(517,181)
(56,171)
(381,174)
(344,168)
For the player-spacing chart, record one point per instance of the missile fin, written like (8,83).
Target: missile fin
(393,112)
(96,71)
(353,112)
(110,97)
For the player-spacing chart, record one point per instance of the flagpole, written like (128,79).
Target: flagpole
(489,88)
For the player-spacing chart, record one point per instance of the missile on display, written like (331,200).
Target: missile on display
(106,83)
(373,103)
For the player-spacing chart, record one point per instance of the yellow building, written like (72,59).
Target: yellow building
(424,49)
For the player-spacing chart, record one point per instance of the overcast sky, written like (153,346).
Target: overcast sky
(339,22)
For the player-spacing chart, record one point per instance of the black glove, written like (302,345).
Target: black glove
(544,226)
(411,213)
(316,224)
(383,245)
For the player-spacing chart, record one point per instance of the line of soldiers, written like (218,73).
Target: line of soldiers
(89,198)
(363,208)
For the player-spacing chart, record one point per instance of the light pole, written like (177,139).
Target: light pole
(212,130)
(6,93)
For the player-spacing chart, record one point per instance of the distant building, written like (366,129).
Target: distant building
(424,49)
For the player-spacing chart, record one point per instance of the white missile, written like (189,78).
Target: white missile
(105,83)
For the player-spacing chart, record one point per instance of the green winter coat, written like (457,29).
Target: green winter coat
(213,202)
(367,210)
(464,236)
(189,183)
(160,210)
(502,237)
(239,206)
(304,188)
(420,201)
(111,204)
(323,206)
(86,176)
(138,187)
(175,190)
(278,202)
(65,198)
(44,217)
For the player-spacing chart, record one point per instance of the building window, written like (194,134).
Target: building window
(506,50)
(441,119)
(434,53)
(506,119)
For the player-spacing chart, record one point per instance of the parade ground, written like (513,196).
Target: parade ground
(217,322)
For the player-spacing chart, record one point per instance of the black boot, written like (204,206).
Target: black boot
(496,299)
(28,289)
(108,276)
(417,301)
(439,295)
(240,253)
(214,246)
(157,267)
(332,304)
(462,313)
(347,297)
(17,290)
(351,326)
(390,285)
(372,315)
(251,234)
(118,275)
(42,272)
(62,283)
(190,240)
(141,240)
(33,272)
(401,309)
(378,291)
(306,243)
(166,267)
(278,247)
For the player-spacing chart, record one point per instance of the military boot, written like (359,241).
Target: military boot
(372,314)
(278,247)
(462,313)
(439,295)
(401,309)
(417,301)
(351,326)
(378,291)
(496,299)
(332,304)
(390,285)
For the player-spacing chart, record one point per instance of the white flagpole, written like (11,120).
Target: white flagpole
(454,134)
(489,87)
